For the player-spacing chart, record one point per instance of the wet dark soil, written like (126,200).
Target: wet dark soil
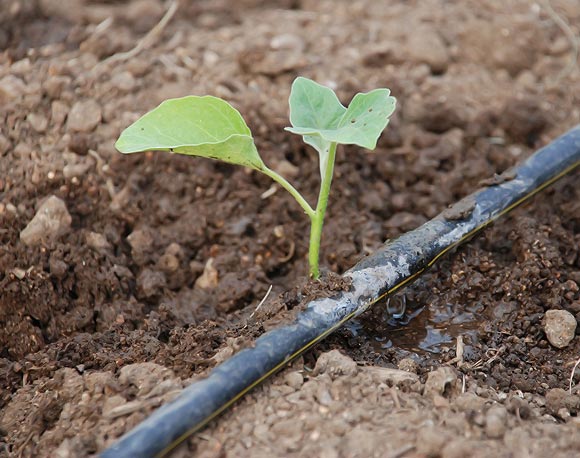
(155,278)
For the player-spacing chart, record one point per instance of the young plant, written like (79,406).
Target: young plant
(210,127)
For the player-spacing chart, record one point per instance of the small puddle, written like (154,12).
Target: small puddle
(419,328)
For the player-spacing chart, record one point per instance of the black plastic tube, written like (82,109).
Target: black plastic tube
(395,265)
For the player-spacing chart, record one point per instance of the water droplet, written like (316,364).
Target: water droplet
(396,306)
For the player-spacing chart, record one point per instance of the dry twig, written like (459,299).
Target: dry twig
(572,375)
(565,27)
(146,41)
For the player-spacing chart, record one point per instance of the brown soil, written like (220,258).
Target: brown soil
(166,257)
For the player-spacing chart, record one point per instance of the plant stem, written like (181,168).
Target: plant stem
(317,220)
(291,189)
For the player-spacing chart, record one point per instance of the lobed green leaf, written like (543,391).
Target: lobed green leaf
(317,115)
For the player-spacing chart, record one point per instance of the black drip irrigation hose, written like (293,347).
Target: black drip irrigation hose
(395,265)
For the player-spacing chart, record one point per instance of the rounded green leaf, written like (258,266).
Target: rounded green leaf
(197,126)
(313,105)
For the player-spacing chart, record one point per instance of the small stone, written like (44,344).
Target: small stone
(323,396)
(11,88)
(294,380)
(469,402)
(57,267)
(209,278)
(144,376)
(97,242)
(440,381)
(560,327)
(141,242)
(123,81)
(75,170)
(496,422)
(150,283)
(168,263)
(286,169)
(222,355)
(335,364)
(287,41)
(18,273)
(175,249)
(58,113)
(408,365)
(558,399)
(37,121)
(84,116)
(52,220)
(111,403)
(426,46)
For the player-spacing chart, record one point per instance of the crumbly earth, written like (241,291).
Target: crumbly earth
(151,275)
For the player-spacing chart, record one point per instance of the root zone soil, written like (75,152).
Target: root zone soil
(167,257)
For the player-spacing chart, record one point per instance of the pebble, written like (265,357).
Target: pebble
(294,379)
(58,267)
(97,242)
(558,399)
(467,402)
(11,87)
(58,113)
(141,242)
(438,381)
(76,170)
(286,169)
(37,121)
(144,376)
(287,41)
(426,46)
(560,327)
(209,278)
(124,81)
(323,396)
(150,283)
(168,263)
(335,364)
(52,220)
(408,365)
(84,116)
(496,422)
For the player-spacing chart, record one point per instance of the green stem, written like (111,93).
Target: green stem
(317,220)
(291,189)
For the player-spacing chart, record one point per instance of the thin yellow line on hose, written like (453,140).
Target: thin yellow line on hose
(365,306)
(256,383)
(477,229)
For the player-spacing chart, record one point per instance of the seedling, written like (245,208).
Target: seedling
(210,127)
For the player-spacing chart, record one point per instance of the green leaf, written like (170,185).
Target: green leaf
(317,107)
(197,126)
(317,115)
